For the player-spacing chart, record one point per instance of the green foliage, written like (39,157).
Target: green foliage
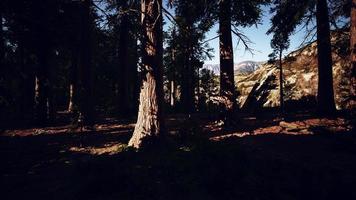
(185,47)
(209,87)
(246,12)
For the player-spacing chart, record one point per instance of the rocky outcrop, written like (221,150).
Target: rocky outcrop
(261,88)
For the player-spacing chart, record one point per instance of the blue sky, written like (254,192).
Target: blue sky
(261,41)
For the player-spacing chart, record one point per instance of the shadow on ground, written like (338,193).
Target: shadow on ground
(252,167)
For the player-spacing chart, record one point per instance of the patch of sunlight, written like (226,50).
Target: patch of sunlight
(308,76)
(108,149)
(185,148)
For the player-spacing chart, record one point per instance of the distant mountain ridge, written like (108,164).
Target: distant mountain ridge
(245,67)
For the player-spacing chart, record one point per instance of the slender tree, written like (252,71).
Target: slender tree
(326,103)
(279,43)
(170,62)
(42,82)
(227,83)
(85,87)
(72,105)
(123,57)
(231,15)
(150,123)
(290,13)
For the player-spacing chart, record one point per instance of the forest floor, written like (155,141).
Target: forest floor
(264,157)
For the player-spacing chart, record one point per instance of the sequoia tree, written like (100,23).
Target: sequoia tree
(150,123)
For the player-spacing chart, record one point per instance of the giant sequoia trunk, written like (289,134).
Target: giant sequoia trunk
(325,98)
(227,85)
(353,53)
(123,56)
(149,123)
(85,91)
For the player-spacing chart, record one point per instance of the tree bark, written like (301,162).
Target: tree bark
(353,53)
(325,97)
(227,84)
(149,125)
(72,105)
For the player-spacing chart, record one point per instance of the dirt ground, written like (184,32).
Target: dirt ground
(301,157)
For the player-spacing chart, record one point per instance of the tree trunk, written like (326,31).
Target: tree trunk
(42,84)
(71,98)
(172,93)
(149,121)
(325,98)
(123,56)
(281,93)
(227,85)
(353,54)
(85,90)
(72,105)
(188,86)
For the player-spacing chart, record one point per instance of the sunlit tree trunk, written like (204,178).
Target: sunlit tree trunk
(227,85)
(172,90)
(72,105)
(149,125)
(353,53)
(172,93)
(325,97)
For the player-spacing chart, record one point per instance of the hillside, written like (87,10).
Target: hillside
(261,88)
